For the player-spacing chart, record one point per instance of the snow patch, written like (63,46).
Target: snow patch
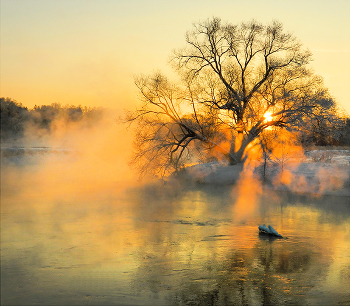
(321,172)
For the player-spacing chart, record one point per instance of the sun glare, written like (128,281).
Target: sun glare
(268,117)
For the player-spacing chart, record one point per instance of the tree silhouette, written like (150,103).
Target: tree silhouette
(13,118)
(236,81)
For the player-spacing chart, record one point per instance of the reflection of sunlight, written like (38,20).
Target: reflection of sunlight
(338,277)
(247,193)
(155,239)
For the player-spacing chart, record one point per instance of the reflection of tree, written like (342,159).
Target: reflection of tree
(178,266)
(296,261)
(270,273)
(277,270)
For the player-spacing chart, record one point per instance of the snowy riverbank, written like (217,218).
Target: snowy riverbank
(319,172)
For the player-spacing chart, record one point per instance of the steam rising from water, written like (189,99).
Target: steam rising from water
(93,162)
(287,169)
(66,218)
(89,160)
(248,192)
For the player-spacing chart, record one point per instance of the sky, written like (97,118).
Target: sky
(88,52)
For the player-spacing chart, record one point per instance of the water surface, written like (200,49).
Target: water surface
(173,245)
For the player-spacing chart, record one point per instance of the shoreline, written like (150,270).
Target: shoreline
(316,178)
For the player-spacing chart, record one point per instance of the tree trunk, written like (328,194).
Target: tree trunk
(237,149)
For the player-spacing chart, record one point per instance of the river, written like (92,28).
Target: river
(172,245)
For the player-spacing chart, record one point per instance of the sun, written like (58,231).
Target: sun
(268,117)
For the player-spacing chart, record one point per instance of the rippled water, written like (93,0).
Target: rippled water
(161,245)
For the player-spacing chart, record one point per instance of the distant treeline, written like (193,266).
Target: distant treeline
(331,128)
(16,118)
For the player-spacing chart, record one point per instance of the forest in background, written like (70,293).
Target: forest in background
(17,120)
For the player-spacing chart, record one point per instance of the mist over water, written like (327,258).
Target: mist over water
(79,228)
(70,159)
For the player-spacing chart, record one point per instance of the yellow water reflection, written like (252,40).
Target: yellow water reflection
(157,245)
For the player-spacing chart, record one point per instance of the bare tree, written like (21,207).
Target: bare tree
(248,71)
(170,127)
(326,126)
(237,80)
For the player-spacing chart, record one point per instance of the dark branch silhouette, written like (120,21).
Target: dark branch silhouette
(232,76)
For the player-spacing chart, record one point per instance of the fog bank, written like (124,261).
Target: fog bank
(73,159)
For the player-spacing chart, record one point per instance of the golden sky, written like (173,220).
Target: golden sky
(88,51)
